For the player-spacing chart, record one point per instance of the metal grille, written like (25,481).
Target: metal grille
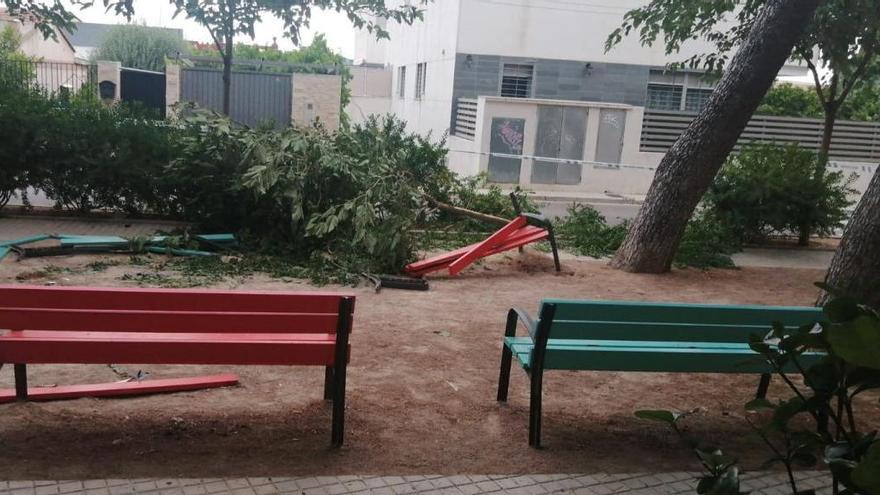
(401,82)
(49,77)
(696,99)
(420,80)
(466,118)
(664,97)
(516,80)
(853,141)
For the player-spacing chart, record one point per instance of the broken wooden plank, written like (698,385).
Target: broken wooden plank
(121,389)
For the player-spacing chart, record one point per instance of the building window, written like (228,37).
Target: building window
(401,82)
(664,97)
(677,91)
(421,73)
(516,80)
(696,99)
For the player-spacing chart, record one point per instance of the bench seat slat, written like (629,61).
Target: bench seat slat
(119,320)
(169,299)
(653,331)
(652,312)
(161,348)
(697,357)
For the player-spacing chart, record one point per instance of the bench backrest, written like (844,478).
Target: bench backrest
(670,322)
(169,310)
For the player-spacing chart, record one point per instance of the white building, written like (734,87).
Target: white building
(35,45)
(531,79)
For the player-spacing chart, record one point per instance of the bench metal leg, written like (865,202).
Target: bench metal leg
(537,378)
(763,385)
(338,431)
(328,383)
(21,386)
(504,374)
(340,364)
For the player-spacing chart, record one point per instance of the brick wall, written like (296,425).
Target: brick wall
(316,97)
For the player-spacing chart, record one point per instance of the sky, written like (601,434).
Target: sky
(160,13)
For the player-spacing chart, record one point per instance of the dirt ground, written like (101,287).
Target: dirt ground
(421,389)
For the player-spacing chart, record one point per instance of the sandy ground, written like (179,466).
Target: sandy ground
(421,389)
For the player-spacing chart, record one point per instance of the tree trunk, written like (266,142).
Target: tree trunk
(832,109)
(227,74)
(687,170)
(855,268)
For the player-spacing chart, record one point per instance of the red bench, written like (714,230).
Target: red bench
(80,325)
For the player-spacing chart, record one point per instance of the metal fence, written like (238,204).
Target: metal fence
(852,141)
(466,118)
(50,77)
(256,97)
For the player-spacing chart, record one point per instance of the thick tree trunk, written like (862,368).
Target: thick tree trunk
(688,168)
(855,268)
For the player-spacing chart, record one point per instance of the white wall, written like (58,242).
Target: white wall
(432,41)
(559,29)
(361,107)
(34,45)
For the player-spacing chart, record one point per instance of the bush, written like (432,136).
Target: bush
(139,46)
(99,157)
(770,189)
(789,100)
(705,244)
(585,232)
(22,127)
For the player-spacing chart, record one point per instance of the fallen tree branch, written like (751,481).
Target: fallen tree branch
(456,210)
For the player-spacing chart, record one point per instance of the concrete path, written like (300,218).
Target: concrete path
(594,484)
(784,258)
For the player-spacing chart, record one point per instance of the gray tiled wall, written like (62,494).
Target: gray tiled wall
(556,79)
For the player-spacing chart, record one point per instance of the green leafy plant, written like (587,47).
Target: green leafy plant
(139,46)
(705,244)
(770,189)
(789,100)
(586,232)
(818,423)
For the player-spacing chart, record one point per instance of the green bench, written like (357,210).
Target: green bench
(639,336)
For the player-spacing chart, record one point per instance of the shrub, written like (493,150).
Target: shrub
(586,232)
(771,189)
(789,100)
(705,244)
(139,46)
(99,157)
(21,125)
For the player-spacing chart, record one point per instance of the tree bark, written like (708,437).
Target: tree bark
(227,83)
(855,268)
(476,215)
(687,170)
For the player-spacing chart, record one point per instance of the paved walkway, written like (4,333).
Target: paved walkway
(595,484)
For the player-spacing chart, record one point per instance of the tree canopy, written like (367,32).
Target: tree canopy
(139,46)
(843,36)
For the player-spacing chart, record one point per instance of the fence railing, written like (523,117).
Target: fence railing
(50,77)
(466,118)
(853,141)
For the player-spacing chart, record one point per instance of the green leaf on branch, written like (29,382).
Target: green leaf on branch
(842,309)
(858,341)
(867,474)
